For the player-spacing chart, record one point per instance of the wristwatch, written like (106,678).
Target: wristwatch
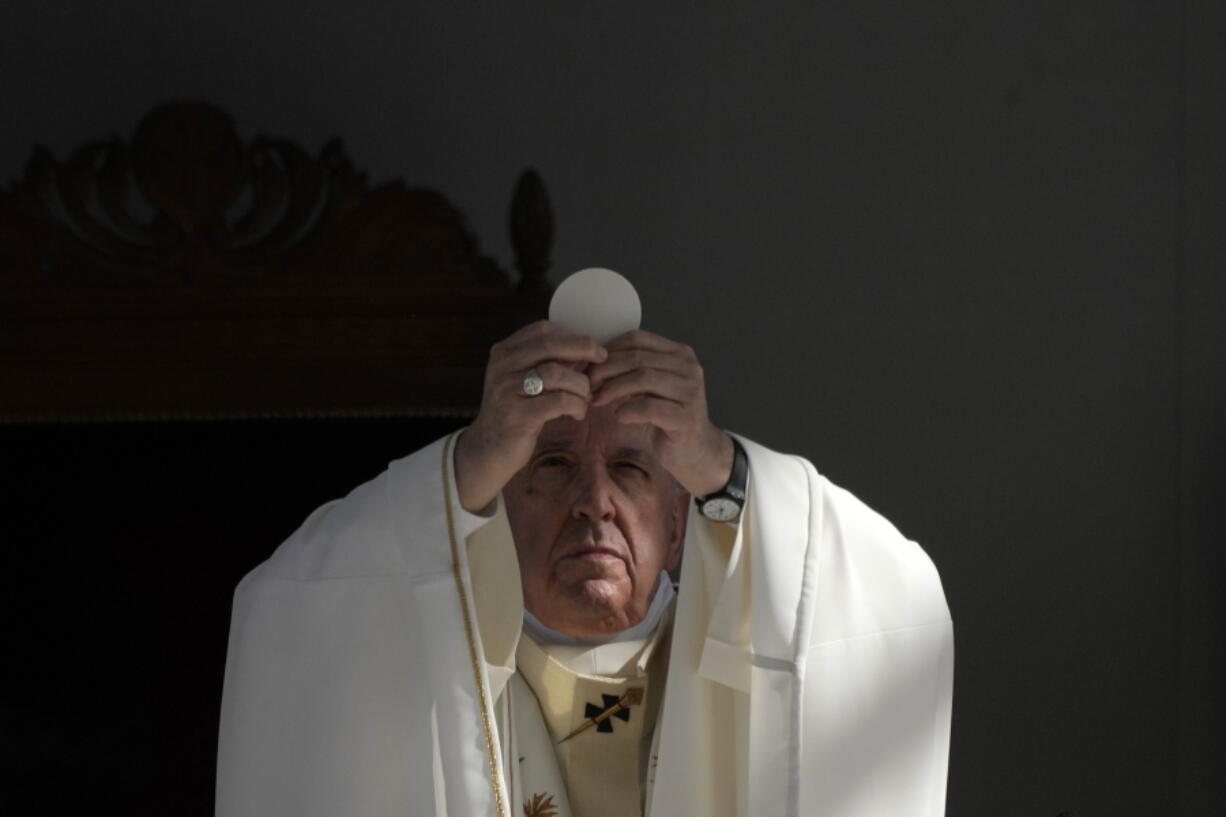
(725,504)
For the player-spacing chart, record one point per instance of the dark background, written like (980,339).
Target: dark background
(120,560)
(968,257)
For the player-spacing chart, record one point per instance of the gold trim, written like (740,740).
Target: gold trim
(511,760)
(491,754)
(541,805)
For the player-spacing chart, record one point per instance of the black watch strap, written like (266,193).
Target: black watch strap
(725,504)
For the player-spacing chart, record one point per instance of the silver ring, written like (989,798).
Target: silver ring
(533,385)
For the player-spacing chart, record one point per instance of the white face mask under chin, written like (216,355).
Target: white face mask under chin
(610,655)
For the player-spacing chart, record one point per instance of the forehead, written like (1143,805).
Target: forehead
(598,432)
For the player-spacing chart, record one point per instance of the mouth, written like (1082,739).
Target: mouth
(591,551)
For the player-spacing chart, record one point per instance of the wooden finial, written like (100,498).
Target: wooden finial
(531,231)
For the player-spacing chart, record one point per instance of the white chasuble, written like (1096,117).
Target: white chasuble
(809,668)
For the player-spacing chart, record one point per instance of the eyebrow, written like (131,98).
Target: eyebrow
(630,453)
(543,446)
(625,452)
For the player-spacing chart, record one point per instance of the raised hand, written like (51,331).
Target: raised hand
(651,379)
(502,438)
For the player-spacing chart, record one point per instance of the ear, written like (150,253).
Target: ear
(681,515)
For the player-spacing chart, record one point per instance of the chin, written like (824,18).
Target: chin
(601,595)
(596,607)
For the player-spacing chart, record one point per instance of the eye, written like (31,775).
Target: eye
(629,467)
(552,461)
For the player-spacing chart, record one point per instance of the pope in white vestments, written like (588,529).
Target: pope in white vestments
(490,627)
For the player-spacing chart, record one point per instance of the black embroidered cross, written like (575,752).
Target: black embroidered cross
(614,707)
(611,702)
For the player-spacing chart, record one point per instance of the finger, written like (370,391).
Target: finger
(624,360)
(551,405)
(653,382)
(642,339)
(556,377)
(555,344)
(538,330)
(666,415)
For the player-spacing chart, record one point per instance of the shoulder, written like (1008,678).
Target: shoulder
(869,577)
(395,524)
(869,567)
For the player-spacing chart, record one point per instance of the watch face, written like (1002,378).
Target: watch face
(721,509)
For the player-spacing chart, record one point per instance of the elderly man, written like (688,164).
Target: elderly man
(490,627)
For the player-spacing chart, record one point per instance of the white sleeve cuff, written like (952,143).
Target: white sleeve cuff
(468,522)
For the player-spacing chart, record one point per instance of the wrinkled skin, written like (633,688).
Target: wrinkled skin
(595,517)
(595,469)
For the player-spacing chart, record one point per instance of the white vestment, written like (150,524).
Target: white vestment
(810,666)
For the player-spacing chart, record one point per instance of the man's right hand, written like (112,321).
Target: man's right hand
(502,438)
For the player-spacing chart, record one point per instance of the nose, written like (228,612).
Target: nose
(594,497)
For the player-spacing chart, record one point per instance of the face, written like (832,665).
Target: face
(595,518)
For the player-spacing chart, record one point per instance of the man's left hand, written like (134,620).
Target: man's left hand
(651,379)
